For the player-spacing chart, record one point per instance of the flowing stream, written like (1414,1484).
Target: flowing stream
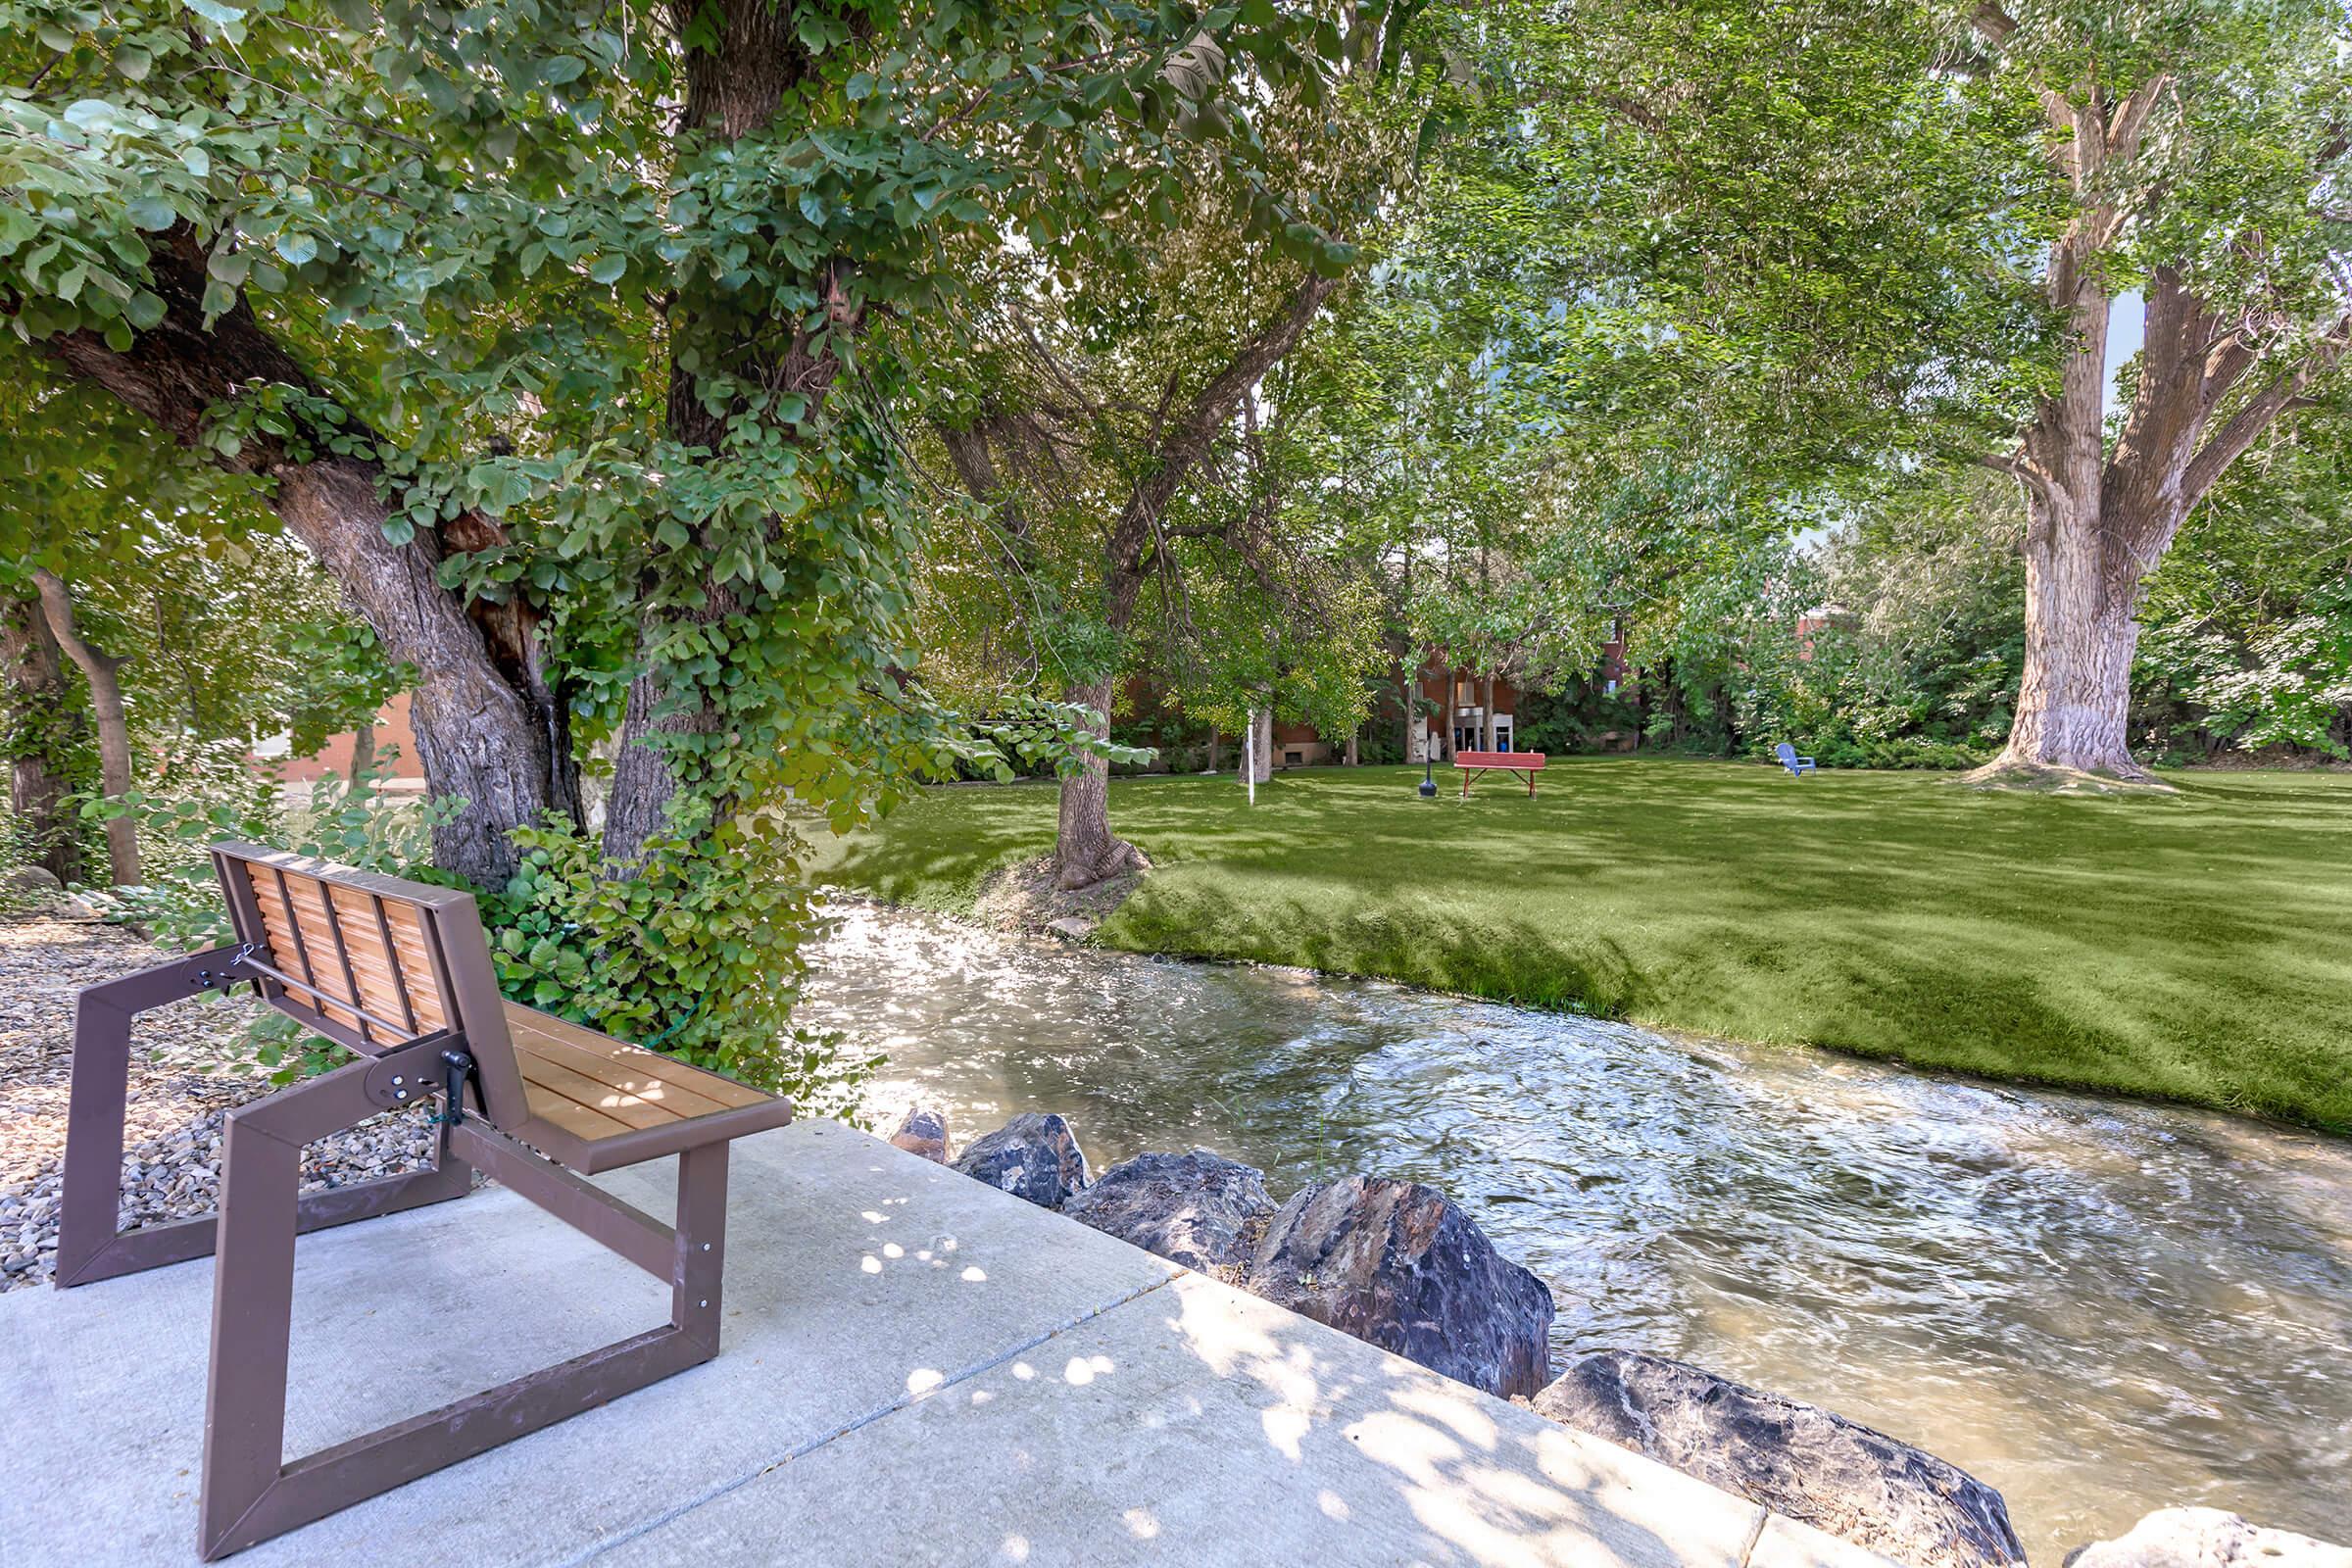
(2097,1306)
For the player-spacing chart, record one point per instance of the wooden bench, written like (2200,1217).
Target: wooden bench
(400,974)
(1473,763)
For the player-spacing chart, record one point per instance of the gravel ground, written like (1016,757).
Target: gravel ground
(181,1085)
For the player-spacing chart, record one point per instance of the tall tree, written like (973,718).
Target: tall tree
(2205,151)
(42,737)
(1133,402)
(103,671)
(534,321)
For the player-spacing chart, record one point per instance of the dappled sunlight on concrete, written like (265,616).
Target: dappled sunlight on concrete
(1017,1386)
(1477,1480)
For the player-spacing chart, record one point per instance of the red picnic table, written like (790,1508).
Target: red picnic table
(1473,763)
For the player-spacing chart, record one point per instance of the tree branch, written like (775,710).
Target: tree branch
(2131,118)
(1993,22)
(1188,440)
(57,602)
(2018,467)
(2284,392)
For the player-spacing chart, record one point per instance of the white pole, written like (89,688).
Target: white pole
(1249,756)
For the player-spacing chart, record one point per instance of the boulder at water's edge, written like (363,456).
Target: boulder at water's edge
(1794,1458)
(1200,1210)
(923,1131)
(1403,1266)
(1033,1156)
(2207,1538)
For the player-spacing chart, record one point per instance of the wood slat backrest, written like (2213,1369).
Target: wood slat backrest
(372,961)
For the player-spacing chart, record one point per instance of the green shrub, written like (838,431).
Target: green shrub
(695,952)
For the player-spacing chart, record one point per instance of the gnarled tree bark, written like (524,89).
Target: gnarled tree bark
(488,728)
(2098,521)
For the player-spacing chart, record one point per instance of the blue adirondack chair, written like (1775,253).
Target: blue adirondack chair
(1798,767)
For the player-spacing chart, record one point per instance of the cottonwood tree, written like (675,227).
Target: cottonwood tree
(515,306)
(2204,149)
(565,338)
(1120,426)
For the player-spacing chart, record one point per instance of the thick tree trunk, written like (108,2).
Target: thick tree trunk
(735,84)
(1485,712)
(1258,758)
(37,695)
(488,729)
(1352,756)
(1085,848)
(1216,752)
(2100,520)
(482,731)
(2080,634)
(103,671)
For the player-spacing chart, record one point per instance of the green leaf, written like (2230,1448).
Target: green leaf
(607,268)
(152,214)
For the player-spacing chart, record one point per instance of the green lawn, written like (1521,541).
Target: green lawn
(2197,947)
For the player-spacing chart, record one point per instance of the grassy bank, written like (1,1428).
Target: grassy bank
(2196,947)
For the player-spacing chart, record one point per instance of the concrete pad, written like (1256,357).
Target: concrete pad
(916,1369)
(857,1274)
(1197,1424)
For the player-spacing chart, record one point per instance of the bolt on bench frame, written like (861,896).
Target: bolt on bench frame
(400,973)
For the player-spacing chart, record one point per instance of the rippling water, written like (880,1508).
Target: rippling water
(2098,1308)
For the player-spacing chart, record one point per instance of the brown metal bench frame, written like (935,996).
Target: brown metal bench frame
(251,1492)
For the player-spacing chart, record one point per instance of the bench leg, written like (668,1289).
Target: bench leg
(89,1245)
(251,1494)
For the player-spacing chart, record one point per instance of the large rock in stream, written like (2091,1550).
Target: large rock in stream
(1794,1458)
(1034,1155)
(1198,1209)
(2207,1538)
(1403,1266)
(923,1131)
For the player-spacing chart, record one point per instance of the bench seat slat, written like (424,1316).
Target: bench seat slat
(601,1072)
(598,1103)
(617,1063)
(544,1082)
(589,1126)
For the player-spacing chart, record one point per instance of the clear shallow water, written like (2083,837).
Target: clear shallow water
(2099,1308)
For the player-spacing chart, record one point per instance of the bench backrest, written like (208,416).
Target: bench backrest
(1526,761)
(372,962)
